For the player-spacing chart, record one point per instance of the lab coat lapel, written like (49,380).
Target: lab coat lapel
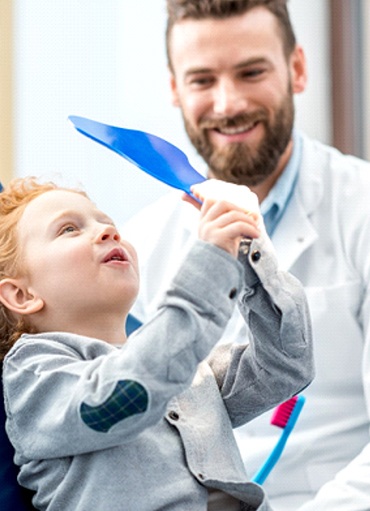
(295,232)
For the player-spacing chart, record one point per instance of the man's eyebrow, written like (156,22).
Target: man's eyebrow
(197,70)
(252,62)
(244,63)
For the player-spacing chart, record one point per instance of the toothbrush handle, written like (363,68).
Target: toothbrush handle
(264,471)
(273,458)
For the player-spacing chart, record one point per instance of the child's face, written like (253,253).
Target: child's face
(74,258)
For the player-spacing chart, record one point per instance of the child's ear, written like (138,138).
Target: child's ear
(17,297)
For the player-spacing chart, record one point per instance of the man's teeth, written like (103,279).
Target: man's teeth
(236,130)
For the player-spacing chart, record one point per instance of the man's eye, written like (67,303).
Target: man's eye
(201,82)
(252,73)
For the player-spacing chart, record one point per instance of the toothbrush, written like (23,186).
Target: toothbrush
(285,416)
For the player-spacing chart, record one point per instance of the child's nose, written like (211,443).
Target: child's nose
(110,233)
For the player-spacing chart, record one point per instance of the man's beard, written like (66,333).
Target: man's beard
(237,162)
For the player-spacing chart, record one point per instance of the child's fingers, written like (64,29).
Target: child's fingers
(217,190)
(227,238)
(230,218)
(210,210)
(188,198)
(228,226)
(241,230)
(224,225)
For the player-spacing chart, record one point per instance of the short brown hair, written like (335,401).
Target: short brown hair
(13,201)
(178,10)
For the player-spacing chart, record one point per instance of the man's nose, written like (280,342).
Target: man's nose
(229,98)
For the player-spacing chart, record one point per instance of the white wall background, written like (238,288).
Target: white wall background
(105,59)
(366,6)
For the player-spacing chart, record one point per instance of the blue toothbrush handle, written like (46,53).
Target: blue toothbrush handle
(261,475)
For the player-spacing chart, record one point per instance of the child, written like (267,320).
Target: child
(100,422)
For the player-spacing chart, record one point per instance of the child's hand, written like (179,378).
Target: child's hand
(223,224)
(229,213)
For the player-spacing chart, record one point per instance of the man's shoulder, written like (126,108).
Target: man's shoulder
(328,156)
(322,163)
(332,181)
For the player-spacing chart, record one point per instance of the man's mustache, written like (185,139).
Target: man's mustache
(236,121)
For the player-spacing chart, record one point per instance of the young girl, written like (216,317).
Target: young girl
(100,422)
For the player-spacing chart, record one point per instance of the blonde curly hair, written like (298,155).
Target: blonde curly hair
(13,201)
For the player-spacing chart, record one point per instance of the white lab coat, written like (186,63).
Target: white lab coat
(324,240)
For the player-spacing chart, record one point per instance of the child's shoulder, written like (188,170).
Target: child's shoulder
(53,344)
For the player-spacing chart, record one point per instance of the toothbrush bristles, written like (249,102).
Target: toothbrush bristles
(283,412)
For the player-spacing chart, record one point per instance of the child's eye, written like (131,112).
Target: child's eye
(68,228)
